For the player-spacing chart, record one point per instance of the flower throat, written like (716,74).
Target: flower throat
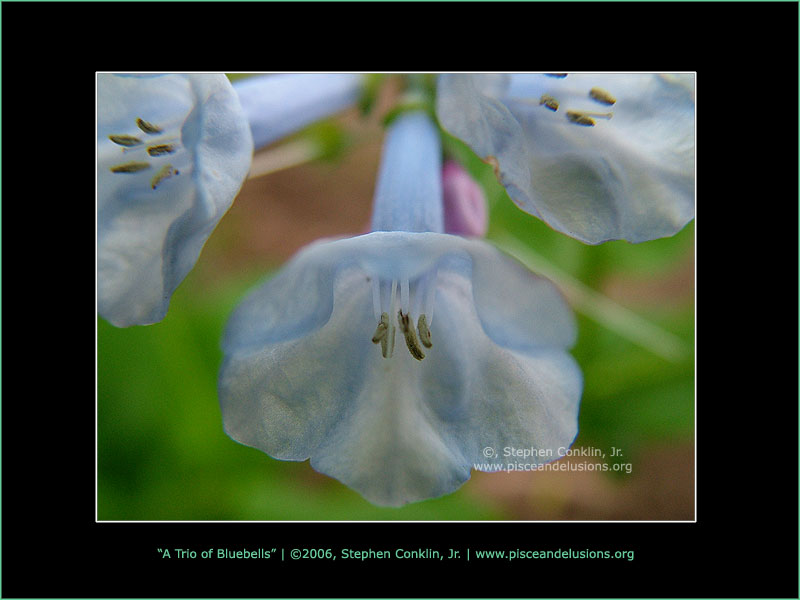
(408,197)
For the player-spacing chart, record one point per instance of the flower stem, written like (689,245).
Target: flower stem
(291,154)
(601,309)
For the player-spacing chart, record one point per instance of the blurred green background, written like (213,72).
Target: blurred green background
(162,453)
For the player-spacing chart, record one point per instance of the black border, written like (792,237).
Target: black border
(745,541)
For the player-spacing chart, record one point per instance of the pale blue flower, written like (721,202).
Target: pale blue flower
(277,105)
(596,156)
(395,359)
(173,151)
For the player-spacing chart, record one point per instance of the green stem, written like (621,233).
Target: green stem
(600,308)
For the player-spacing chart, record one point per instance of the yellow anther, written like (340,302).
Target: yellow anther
(161,149)
(585,118)
(424,332)
(166,172)
(410,335)
(579,118)
(383,327)
(384,334)
(548,101)
(125,140)
(130,167)
(148,127)
(601,96)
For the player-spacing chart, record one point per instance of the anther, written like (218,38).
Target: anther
(166,172)
(579,118)
(384,335)
(148,128)
(131,167)
(424,332)
(383,327)
(601,96)
(161,149)
(125,140)
(548,101)
(410,335)
(585,118)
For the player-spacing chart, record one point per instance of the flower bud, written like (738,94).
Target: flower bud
(465,211)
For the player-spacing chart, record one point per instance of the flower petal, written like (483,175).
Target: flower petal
(152,223)
(280,104)
(468,111)
(628,176)
(299,299)
(398,430)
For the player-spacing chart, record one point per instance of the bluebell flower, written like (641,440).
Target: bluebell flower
(596,156)
(399,360)
(172,153)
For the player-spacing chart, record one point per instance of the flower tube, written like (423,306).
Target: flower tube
(280,104)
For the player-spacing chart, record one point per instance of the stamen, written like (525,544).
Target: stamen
(161,149)
(383,327)
(166,172)
(548,101)
(385,335)
(404,294)
(376,298)
(579,118)
(424,332)
(410,335)
(130,167)
(125,140)
(148,128)
(391,340)
(429,299)
(601,96)
(585,118)
(418,295)
(389,351)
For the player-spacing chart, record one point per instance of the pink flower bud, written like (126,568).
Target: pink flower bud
(465,211)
